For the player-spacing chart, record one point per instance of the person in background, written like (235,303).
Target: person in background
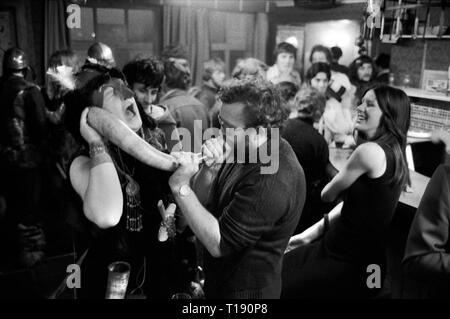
(99,60)
(246,222)
(362,75)
(23,162)
(336,123)
(382,63)
(145,77)
(249,68)
(342,93)
(213,78)
(288,91)
(60,80)
(283,69)
(318,77)
(312,152)
(340,86)
(188,112)
(426,263)
(63,65)
(336,54)
(330,259)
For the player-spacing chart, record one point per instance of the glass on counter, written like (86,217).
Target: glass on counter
(118,276)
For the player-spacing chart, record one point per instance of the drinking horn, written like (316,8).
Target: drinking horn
(118,133)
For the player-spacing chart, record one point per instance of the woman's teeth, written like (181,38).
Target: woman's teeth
(361,118)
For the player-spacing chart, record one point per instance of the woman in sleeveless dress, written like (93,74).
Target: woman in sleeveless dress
(335,257)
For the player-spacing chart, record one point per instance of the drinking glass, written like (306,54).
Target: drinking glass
(118,276)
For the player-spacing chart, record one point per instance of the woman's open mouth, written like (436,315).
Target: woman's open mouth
(131,110)
(360,118)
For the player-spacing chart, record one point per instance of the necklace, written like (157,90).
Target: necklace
(133,208)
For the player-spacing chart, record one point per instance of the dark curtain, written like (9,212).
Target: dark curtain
(56,32)
(189,26)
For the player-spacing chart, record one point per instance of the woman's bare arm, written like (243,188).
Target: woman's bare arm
(368,158)
(99,188)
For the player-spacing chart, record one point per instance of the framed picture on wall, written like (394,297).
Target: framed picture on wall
(434,81)
(8,35)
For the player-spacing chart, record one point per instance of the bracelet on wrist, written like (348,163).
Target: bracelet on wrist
(96,149)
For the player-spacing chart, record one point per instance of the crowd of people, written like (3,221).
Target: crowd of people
(114,163)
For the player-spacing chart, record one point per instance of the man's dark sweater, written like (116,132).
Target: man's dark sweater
(257,215)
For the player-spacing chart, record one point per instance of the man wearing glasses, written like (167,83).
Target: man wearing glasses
(248,218)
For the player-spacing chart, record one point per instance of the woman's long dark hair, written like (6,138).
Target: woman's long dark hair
(393,127)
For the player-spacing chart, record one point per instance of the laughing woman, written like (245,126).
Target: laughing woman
(120,195)
(331,258)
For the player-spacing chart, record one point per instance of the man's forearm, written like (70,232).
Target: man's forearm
(317,230)
(204,225)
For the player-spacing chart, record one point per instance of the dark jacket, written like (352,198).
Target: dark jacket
(312,152)
(23,126)
(427,254)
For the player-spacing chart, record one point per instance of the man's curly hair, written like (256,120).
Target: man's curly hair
(262,100)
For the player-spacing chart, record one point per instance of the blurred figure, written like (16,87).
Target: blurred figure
(283,69)
(249,68)
(188,112)
(99,60)
(312,152)
(60,80)
(288,91)
(382,63)
(23,161)
(101,54)
(320,53)
(336,54)
(362,75)
(62,65)
(427,254)
(177,54)
(145,77)
(340,87)
(213,78)
(336,123)
(318,76)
